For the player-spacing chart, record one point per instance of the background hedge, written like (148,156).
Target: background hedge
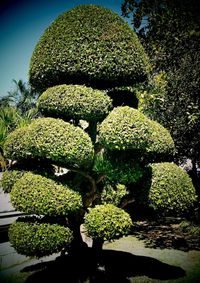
(38,239)
(88,45)
(75,102)
(34,194)
(52,139)
(169,190)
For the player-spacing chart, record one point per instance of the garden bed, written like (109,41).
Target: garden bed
(169,233)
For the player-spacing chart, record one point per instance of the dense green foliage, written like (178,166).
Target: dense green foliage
(170,189)
(107,222)
(127,128)
(52,139)
(9,178)
(113,194)
(34,194)
(17,109)
(105,164)
(116,169)
(169,31)
(9,120)
(88,45)
(161,140)
(75,101)
(186,105)
(37,238)
(18,144)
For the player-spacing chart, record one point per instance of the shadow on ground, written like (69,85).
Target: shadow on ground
(109,266)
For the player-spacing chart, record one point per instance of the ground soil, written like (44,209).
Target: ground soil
(169,233)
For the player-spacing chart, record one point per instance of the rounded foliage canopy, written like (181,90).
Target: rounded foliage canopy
(88,44)
(39,195)
(127,128)
(53,139)
(107,222)
(75,101)
(170,189)
(16,144)
(32,238)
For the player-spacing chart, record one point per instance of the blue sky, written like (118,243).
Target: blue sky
(22,22)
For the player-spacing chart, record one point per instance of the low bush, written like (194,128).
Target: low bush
(38,239)
(107,222)
(190,228)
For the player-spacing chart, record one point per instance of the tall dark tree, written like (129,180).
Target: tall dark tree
(170,32)
(168,28)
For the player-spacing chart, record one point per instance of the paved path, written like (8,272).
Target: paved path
(187,261)
(144,259)
(5,204)
(11,261)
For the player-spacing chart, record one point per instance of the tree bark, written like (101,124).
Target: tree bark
(77,243)
(194,177)
(92,131)
(97,245)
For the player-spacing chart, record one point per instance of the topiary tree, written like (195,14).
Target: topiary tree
(109,152)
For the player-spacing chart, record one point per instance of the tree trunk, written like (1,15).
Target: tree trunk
(97,245)
(194,177)
(77,243)
(92,131)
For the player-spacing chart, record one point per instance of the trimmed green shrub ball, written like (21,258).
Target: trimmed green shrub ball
(9,178)
(107,222)
(171,190)
(53,139)
(126,128)
(38,239)
(118,169)
(75,101)
(16,144)
(88,45)
(34,194)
